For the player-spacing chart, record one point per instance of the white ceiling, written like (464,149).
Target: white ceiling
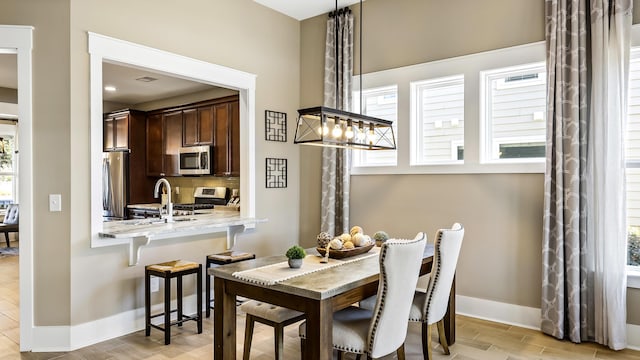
(304,9)
(131,91)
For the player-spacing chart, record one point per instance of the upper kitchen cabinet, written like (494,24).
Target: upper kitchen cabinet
(122,128)
(197,126)
(226,151)
(164,139)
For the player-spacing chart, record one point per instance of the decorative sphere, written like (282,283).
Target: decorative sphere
(358,239)
(380,237)
(356,230)
(336,244)
(323,239)
(345,237)
(348,245)
(367,240)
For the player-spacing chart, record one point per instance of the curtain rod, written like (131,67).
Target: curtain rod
(340,12)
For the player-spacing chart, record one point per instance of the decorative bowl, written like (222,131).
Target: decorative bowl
(340,254)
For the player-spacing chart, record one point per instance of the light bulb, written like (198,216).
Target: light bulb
(325,129)
(361,135)
(349,132)
(372,135)
(337,131)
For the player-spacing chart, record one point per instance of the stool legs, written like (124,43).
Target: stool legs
(208,289)
(199,296)
(166,315)
(167,310)
(147,303)
(179,299)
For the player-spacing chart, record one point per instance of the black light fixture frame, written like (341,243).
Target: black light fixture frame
(313,123)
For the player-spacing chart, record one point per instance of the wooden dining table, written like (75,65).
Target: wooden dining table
(318,295)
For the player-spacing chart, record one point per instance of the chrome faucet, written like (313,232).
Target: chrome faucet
(156,193)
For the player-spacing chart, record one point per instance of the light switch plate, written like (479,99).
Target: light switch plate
(55,202)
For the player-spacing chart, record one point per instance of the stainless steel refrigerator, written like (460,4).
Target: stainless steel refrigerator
(114,185)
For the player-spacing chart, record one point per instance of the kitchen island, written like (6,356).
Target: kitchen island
(137,233)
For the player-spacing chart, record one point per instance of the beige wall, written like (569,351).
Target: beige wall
(75,284)
(502,213)
(51,130)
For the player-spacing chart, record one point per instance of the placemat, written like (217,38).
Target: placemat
(275,273)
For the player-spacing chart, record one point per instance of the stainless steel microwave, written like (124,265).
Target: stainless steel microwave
(196,160)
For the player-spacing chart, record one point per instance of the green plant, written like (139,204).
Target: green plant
(634,249)
(296,252)
(381,236)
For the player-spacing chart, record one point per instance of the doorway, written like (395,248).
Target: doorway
(18,40)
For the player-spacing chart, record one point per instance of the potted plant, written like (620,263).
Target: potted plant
(295,254)
(380,237)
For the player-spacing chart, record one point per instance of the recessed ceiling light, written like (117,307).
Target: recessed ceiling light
(146,79)
(110,88)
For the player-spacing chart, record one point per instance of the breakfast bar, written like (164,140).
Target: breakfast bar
(138,233)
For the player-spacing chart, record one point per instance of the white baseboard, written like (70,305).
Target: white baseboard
(522,316)
(518,315)
(69,338)
(633,337)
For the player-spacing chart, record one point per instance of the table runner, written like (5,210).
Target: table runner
(275,273)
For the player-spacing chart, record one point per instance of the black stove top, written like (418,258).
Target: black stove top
(193,206)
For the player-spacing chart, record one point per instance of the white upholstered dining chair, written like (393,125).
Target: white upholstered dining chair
(383,330)
(430,306)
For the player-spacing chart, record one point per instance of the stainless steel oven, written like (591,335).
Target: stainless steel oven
(196,160)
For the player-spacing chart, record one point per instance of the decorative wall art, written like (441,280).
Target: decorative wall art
(276,176)
(275,124)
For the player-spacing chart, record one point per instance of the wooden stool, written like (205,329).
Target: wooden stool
(224,258)
(276,316)
(167,271)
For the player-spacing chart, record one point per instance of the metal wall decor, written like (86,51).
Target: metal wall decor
(275,124)
(276,173)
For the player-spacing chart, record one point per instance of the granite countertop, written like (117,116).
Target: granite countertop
(138,233)
(151,227)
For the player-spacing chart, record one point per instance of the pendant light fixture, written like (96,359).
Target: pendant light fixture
(325,126)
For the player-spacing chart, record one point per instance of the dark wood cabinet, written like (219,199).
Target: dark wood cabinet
(213,122)
(117,128)
(126,131)
(226,149)
(164,139)
(197,126)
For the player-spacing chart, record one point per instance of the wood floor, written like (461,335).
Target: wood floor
(477,339)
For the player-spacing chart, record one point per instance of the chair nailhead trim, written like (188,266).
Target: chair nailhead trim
(434,281)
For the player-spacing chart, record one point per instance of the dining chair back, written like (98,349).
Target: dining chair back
(400,262)
(383,329)
(430,307)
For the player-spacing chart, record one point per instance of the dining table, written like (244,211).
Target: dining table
(318,293)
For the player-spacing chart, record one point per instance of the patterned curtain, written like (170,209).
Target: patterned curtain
(336,163)
(584,244)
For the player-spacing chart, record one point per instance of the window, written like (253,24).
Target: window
(632,154)
(8,179)
(381,103)
(439,110)
(514,101)
(438,120)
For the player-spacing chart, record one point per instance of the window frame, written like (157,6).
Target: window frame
(470,66)
(490,146)
(417,124)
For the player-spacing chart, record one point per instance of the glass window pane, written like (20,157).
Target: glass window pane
(383,104)
(515,107)
(6,153)
(439,120)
